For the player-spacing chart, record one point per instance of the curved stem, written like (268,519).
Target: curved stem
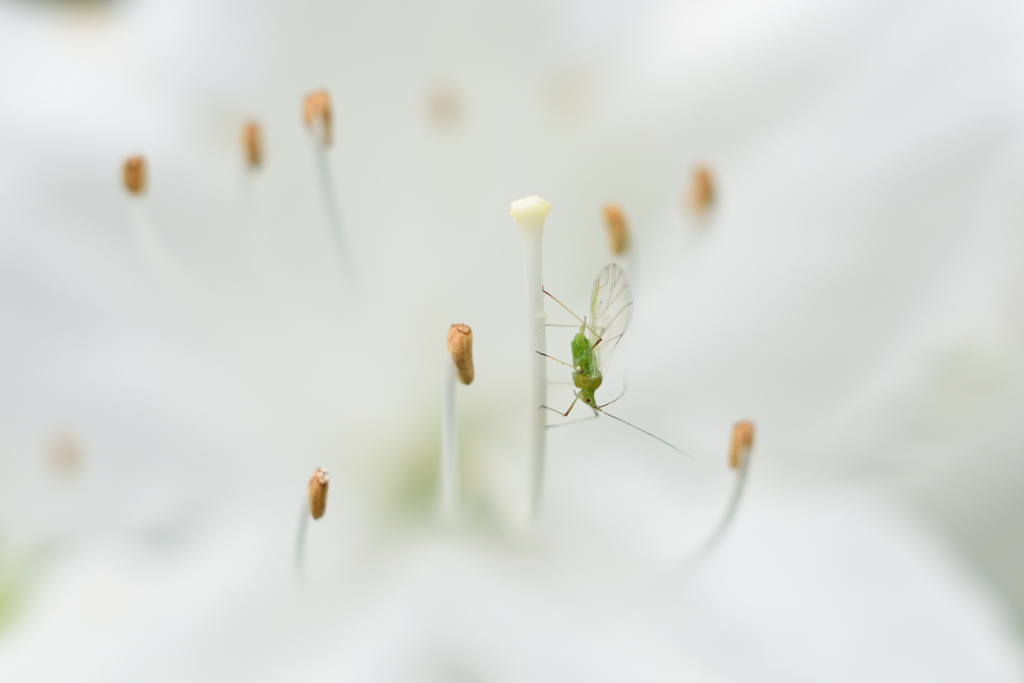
(704,551)
(167,273)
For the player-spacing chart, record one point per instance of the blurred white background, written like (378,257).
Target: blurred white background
(856,290)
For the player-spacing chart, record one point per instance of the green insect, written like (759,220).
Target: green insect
(611,308)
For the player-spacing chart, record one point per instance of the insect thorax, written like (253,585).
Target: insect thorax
(586,375)
(580,348)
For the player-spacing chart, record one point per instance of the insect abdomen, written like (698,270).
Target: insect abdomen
(587,382)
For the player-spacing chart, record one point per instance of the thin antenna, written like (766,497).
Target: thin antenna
(625,386)
(648,434)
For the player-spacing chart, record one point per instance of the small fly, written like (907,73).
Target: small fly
(611,308)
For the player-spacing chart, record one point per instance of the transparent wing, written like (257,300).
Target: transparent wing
(611,307)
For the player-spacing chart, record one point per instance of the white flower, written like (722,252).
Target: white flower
(852,291)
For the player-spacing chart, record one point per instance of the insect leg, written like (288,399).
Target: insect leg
(563,424)
(584,322)
(566,413)
(625,386)
(556,360)
(610,339)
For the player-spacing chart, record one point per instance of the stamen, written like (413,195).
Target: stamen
(701,193)
(252,144)
(64,454)
(317,491)
(313,506)
(316,112)
(444,106)
(163,268)
(739,460)
(135,174)
(253,238)
(618,231)
(742,442)
(460,346)
(458,364)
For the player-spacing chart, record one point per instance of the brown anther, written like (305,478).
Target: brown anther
(135,174)
(460,346)
(701,193)
(742,442)
(252,144)
(318,493)
(618,231)
(316,111)
(64,453)
(444,106)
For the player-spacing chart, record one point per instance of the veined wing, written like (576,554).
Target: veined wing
(611,307)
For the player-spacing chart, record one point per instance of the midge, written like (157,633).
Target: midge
(611,308)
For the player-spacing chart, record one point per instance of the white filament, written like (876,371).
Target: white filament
(449,444)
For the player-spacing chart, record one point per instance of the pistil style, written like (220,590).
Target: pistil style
(529,214)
